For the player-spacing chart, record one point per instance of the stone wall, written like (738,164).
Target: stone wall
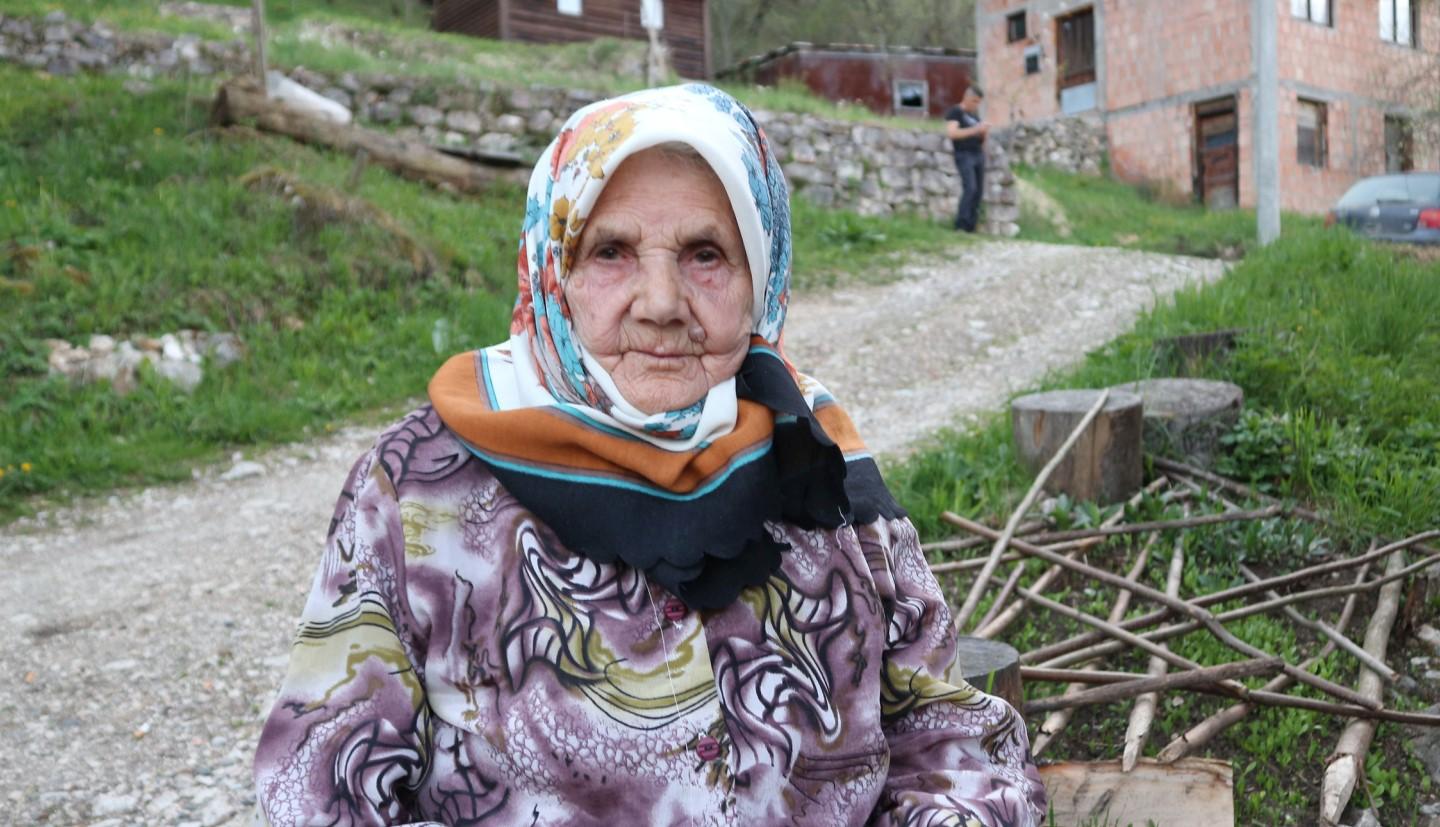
(1072,144)
(871,169)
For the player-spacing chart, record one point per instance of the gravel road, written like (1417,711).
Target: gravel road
(147,631)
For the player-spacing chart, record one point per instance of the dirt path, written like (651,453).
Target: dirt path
(145,633)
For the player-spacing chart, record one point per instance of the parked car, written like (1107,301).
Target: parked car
(1400,207)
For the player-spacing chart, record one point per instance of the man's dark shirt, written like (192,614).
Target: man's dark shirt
(974,142)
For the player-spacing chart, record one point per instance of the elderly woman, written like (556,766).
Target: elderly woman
(630,567)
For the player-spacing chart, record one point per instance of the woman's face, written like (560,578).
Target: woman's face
(660,289)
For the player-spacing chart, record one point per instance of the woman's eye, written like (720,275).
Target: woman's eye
(707,256)
(607,252)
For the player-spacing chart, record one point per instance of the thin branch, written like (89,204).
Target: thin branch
(1319,627)
(1205,731)
(1137,731)
(1205,618)
(1048,653)
(1346,767)
(977,591)
(1057,720)
(995,620)
(1269,512)
(1167,632)
(1211,676)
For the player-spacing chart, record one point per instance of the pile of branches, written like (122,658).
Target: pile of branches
(1077,660)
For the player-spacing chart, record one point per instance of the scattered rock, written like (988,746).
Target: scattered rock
(1426,746)
(114,805)
(243,469)
(1429,636)
(176,357)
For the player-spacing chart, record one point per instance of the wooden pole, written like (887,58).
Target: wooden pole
(1137,731)
(982,582)
(257,23)
(1347,767)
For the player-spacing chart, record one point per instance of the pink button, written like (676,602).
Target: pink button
(675,610)
(708,749)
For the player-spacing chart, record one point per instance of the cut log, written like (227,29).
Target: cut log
(1186,417)
(991,667)
(244,101)
(1104,465)
(1195,792)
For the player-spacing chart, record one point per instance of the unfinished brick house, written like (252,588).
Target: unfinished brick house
(1171,83)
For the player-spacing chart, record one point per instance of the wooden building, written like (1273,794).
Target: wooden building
(897,80)
(683,24)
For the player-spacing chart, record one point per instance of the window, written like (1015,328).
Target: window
(652,14)
(1015,27)
(1310,135)
(570,7)
(1398,22)
(1399,144)
(912,96)
(1032,60)
(1316,11)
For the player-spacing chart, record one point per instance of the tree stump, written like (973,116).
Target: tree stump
(991,667)
(1105,464)
(1195,349)
(1186,417)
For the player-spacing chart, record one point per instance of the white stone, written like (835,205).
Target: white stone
(1430,636)
(510,123)
(170,347)
(466,122)
(100,343)
(243,469)
(183,373)
(426,115)
(122,665)
(114,805)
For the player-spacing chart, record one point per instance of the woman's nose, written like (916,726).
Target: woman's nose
(661,292)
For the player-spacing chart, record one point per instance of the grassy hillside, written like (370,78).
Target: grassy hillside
(125,214)
(1102,212)
(1340,364)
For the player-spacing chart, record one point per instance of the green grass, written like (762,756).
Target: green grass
(1103,212)
(1340,364)
(134,220)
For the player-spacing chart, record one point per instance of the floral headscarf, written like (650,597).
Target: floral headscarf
(683,495)
(564,188)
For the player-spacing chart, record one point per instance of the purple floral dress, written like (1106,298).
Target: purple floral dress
(457,665)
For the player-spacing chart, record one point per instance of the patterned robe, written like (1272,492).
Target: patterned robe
(456,665)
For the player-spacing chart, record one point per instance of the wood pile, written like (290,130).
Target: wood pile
(1207,500)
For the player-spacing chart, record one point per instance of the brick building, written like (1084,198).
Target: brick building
(683,25)
(1172,83)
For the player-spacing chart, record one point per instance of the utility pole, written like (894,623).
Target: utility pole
(1263,25)
(257,22)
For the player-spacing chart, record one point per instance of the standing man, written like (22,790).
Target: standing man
(967,132)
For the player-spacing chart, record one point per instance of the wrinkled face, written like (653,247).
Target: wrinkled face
(660,290)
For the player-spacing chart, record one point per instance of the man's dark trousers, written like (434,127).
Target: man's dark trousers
(971,166)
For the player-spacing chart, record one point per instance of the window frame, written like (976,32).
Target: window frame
(895,97)
(1414,23)
(1011,36)
(570,8)
(1309,15)
(1321,143)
